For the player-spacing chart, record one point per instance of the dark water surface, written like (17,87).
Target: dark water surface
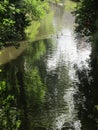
(50,78)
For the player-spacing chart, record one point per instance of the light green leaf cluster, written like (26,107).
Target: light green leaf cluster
(36,9)
(16,15)
(8,112)
(96,107)
(8,22)
(36,88)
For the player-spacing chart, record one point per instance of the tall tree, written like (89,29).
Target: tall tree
(16,15)
(86,16)
(12,20)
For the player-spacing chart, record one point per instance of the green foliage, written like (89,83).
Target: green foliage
(15,16)
(36,9)
(96,107)
(33,26)
(8,113)
(85,17)
(35,85)
(12,21)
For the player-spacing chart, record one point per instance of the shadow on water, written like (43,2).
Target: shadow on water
(88,92)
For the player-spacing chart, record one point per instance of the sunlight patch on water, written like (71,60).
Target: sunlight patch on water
(65,51)
(60,120)
(69,52)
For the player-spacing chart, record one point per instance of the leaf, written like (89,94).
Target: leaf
(96,107)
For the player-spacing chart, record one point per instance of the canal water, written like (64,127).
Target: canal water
(50,78)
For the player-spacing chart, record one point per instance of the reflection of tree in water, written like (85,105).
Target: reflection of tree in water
(24,82)
(44,104)
(58,88)
(87,88)
(8,108)
(12,74)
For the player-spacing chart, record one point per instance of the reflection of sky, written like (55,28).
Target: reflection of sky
(69,53)
(65,50)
